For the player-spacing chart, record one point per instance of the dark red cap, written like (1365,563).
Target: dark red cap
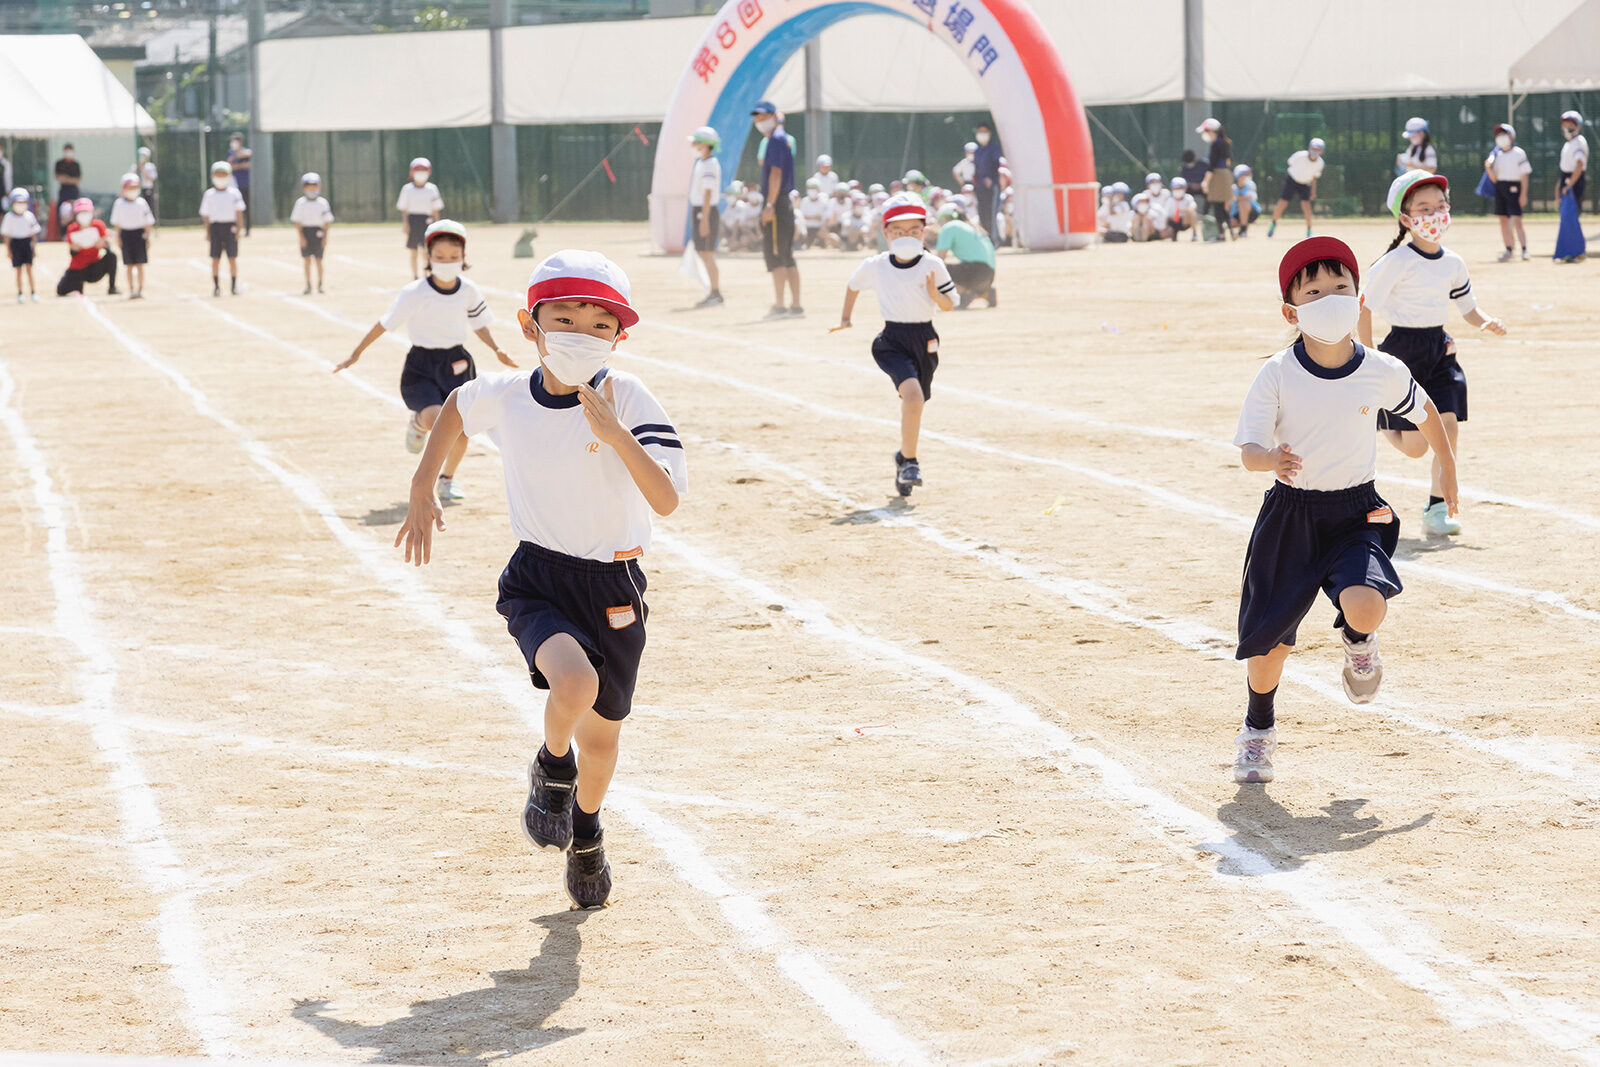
(1310,251)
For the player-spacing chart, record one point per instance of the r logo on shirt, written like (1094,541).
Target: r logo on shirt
(594,446)
(1365,410)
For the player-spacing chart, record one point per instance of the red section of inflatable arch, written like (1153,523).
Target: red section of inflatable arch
(1066,126)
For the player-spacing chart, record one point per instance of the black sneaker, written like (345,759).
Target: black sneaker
(114,291)
(907,474)
(798,312)
(233,286)
(307,290)
(547,817)
(588,873)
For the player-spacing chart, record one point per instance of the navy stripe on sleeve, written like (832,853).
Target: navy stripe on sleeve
(652,427)
(1410,401)
(1457,294)
(664,442)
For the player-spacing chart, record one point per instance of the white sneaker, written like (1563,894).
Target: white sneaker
(1363,668)
(449,493)
(1524,255)
(1436,519)
(416,436)
(1503,257)
(1254,761)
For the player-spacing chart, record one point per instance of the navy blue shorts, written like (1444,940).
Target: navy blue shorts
(1430,355)
(313,238)
(431,373)
(907,350)
(1293,190)
(417,230)
(21,249)
(1507,198)
(1306,540)
(544,593)
(135,247)
(224,240)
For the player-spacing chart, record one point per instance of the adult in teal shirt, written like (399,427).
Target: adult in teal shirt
(974,274)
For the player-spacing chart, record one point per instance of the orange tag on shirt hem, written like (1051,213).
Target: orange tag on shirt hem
(632,553)
(1380,516)
(621,618)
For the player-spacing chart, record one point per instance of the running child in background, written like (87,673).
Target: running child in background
(910,287)
(974,273)
(420,206)
(312,217)
(1412,286)
(21,229)
(705,221)
(1508,167)
(1300,183)
(437,310)
(222,207)
(589,454)
(135,224)
(92,258)
(1308,420)
(1246,205)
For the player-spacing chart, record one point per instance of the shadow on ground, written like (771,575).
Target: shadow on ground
(499,1020)
(897,505)
(1262,825)
(391,516)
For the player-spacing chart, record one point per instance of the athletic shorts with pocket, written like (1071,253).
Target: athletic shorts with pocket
(313,245)
(1507,198)
(224,241)
(431,373)
(135,247)
(906,351)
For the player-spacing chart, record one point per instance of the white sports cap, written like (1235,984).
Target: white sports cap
(824,160)
(1243,168)
(420,163)
(1180,183)
(1151,177)
(1318,143)
(1208,126)
(1120,187)
(1416,125)
(144,153)
(705,135)
(970,146)
(19,193)
(1572,116)
(221,166)
(129,179)
(310,177)
(813,183)
(572,274)
(1507,128)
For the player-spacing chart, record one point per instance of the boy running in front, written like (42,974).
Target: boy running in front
(589,454)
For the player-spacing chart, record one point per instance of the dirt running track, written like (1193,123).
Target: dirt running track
(939,783)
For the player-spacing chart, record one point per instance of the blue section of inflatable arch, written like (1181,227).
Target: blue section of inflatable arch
(749,83)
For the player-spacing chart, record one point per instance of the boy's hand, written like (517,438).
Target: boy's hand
(507,360)
(844,324)
(932,287)
(1285,464)
(1447,487)
(601,412)
(424,513)
(349,363)
(1496,327)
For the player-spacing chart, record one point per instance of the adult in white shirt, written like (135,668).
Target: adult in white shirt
(1508,167)
(1570,244)
(1300,183)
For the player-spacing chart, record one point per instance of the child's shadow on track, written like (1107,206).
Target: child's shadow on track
(390,516)
(491,1023)
(897,505)
(1414,547)
(1265,827)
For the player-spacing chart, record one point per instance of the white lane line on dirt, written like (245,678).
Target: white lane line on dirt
(1110,603)
(143,832)
(1467,993)
(1209,512)
(859,1021)
(1487,496)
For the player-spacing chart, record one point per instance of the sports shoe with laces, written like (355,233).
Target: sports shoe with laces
(547,816)
(907,474)
(1503,257)
(588,873)
(416,436)
(1436,519)
(1363,668)
(449,492)
(1254,760)
(713,299)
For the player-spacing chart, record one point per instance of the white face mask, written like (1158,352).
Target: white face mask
(766,126)
(84,217)
(1430,227)
(1155,188)
(982,138)
(445,272)
(1208,137)
(130,194)
(575,358)
(1569,132)
(220,183)
(1329,319)
(19,207)
(1503,142)
(905,248)
(419,178)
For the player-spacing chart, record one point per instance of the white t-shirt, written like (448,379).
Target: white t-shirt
(565,490)
(419,199)
(147,175)
(814,209)
(1511,165)
(1327,416)
(965,170)
(828,181)
(1161,207)
(1181,204)
(902,288)
(435,319)
(1120,219)
(1419,157)
(19,225)
(132,214)
(221,205)
(1409,287)
(1304,169)
(308,212)
(1574,150)
(706,178)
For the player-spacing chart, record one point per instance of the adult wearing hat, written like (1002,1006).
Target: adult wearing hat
(1219,178)
(776,159)
(1570,244)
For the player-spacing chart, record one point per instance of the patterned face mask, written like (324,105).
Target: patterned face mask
(1430,227)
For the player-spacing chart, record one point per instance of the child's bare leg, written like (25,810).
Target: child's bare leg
(1447,419)
(453,459)
(1364,608)
(712,274)
(427,417)
(305,261)
(413,262)
(573,688)
(1408,442)
(1306,204)
(1522,234)
(233,266)
(597,758)
(1278,209)
(1505,230)
(319,272)
(31,288)
(910,416)
(794,286)
(1265,672)
(19,281)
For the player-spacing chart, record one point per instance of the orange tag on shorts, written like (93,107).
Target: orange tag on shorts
(1380,516)
(459,367)
(633,553)
(621,618)
(933,345)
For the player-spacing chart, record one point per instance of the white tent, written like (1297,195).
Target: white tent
(1567,58)
(55,86)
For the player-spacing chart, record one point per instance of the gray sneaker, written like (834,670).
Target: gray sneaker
(547,816)
(1503,257)
(1254,761)
(1363,669)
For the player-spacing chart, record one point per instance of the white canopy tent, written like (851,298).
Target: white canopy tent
(55,86)
(1567,58)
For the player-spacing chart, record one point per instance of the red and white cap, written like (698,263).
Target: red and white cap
(83,203)
(1309,251)
(904,206)
(1208,126)
(572,274)
(130,180)
(421,163)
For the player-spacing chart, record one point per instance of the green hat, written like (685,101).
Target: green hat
(949,211)
(444,228)
(1402,186)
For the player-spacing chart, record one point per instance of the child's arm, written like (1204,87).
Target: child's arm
(483,335)
(1433,432)
(849,309)
(238,221)
(1280,461)
(651,478)
(944,302)
(1364,327)
(1477,318)
(373,334)
(424,512)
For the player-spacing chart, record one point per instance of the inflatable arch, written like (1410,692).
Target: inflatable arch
(1042,126)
